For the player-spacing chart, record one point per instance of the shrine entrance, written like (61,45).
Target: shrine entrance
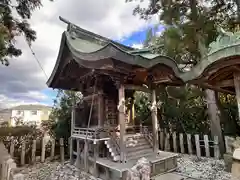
(104,134)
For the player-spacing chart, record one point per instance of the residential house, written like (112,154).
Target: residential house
(30,114)
(5,116)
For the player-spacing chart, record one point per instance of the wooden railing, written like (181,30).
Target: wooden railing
(114,138)
(94,133)
(147,134)
(133,129)
(200,145)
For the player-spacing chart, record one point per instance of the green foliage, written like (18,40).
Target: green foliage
(14,22)
(142,104)
(184,110)
(230,118)
(60,117)
(190,26)
(179,108)
(15,131)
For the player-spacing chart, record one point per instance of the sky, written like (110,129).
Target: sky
(23,81)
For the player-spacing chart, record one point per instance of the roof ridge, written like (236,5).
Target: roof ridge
(92,35)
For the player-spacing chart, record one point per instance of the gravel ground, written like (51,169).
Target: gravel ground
(55,171)
(70,172)
(202,168)
(40,171)
(190,166)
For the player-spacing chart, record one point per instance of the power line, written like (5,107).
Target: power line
(34,55)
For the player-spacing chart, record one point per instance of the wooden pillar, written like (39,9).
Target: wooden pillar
(213,113)
(132,112)
(121,121)
(77,162)
(71,150)
(86,156)
(237,89)
(73,118)
(62,150)
(154,121)
(100,108)
(96,155)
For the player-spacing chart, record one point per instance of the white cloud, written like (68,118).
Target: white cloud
(23,80)
(137,46)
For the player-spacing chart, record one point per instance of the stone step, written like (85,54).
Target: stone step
(136,140)
(137,144)
(137,148)
(112,150)
(139,153)
(116,158)
(130,145)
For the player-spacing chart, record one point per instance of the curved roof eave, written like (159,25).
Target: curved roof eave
(206,62)
(57,64)
(111,50)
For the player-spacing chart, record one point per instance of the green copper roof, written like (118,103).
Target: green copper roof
(88,48)
(226,45)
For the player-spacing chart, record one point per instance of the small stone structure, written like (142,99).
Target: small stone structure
(232,144)
(8,170)
(140,171)
(236,163)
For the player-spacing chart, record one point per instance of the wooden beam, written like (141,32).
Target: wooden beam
(225,83)
(137,88)
(216,73)
(208,86)
(236,67)
(162,81)
(89,97)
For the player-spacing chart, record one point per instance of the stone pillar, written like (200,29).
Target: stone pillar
(121,121)
(213,113)
(154,122)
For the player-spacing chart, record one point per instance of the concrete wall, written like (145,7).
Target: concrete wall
(29,116)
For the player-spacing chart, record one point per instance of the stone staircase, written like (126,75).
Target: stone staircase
(112,150)
(136,146)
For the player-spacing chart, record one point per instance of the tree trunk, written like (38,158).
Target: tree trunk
(213,114)
(238,10)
